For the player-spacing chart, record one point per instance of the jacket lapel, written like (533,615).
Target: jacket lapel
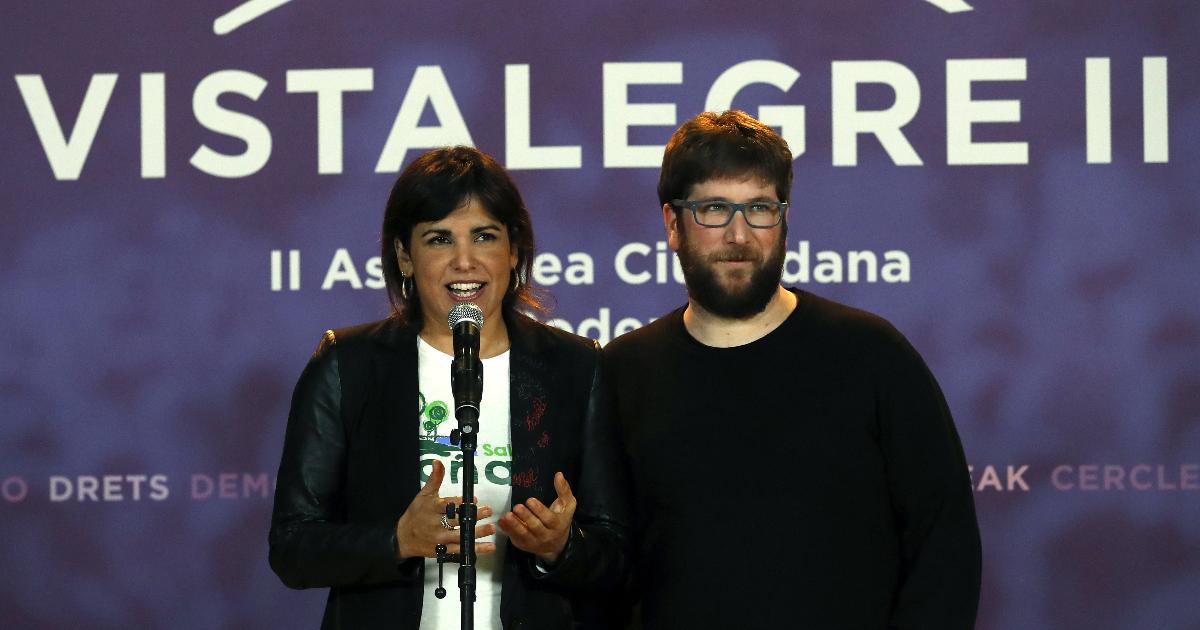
(528,404)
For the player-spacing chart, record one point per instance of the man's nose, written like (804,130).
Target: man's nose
(738,230)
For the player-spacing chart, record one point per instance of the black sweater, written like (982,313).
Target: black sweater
(812,478)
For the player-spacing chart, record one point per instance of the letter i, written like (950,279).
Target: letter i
(1154,110)
(294,269)
(154,125)
(1098,103)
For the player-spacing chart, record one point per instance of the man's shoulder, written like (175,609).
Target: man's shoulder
(837,321)
(648,338)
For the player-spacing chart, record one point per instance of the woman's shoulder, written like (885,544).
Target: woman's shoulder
(366,337)
(528,334)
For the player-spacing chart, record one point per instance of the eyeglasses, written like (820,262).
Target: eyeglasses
(718,213)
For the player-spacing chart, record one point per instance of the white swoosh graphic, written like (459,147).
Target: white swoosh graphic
(245,12)
(951,6)
(254,9)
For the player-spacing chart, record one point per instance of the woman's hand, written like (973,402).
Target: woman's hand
(541,530)
(420,527)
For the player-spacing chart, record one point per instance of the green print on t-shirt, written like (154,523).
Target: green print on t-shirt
(432,415)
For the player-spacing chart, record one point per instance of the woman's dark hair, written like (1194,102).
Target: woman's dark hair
(730,144)
(430,188)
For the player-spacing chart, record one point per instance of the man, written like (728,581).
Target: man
(794,463)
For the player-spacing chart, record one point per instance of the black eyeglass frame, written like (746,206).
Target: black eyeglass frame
(693,204)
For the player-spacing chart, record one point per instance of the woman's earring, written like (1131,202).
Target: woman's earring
(405,283)
(518,279)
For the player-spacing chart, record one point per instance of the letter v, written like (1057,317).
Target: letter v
(66,155)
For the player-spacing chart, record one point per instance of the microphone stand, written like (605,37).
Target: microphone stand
(466,437)
(466,375)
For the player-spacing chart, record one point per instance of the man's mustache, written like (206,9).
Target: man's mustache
(736,253)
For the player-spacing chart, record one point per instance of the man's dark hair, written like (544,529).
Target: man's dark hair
(430,188)
(730,144)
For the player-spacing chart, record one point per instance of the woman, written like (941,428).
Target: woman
(360,494)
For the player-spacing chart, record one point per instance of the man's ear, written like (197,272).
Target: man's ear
(671,225)
(402,258)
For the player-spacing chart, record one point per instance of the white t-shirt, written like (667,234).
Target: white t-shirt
(493,471)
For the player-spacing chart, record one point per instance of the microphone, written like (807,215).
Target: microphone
(466,373)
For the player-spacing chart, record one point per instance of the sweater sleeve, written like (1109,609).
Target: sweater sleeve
(596,554)
(311,544)
(931,496)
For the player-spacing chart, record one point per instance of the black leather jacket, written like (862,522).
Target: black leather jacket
(350,467)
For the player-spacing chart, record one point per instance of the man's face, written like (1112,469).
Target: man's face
(731,271)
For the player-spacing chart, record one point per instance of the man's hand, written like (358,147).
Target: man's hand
(420,527)
(541,530)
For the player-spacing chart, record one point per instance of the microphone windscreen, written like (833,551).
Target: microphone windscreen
(465,311)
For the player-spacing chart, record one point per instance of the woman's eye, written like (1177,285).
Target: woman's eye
(485,236)
(437,240)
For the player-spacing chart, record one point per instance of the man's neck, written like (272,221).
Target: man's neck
(720,332)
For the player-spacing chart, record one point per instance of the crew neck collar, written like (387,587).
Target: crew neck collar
(803,301)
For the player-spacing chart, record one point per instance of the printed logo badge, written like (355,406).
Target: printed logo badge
(432,415)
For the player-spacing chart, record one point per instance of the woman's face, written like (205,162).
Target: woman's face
(465,257)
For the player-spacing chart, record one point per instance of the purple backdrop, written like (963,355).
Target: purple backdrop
(1024,175)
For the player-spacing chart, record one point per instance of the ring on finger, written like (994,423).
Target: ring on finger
(446,523)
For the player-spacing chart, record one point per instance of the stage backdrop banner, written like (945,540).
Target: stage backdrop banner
(192,193)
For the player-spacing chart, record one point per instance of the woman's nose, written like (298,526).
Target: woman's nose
(463,258)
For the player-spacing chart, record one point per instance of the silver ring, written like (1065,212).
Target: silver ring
(446,523)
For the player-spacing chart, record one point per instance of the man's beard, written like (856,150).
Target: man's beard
(741,303)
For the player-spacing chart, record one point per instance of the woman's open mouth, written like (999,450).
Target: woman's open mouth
(465,291)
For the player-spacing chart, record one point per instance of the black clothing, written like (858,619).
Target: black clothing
(810,479)
(350,468)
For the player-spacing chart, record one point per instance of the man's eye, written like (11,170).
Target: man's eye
(761,208)
(714,207)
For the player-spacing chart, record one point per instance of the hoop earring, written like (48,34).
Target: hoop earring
(405,283)
(518,279)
